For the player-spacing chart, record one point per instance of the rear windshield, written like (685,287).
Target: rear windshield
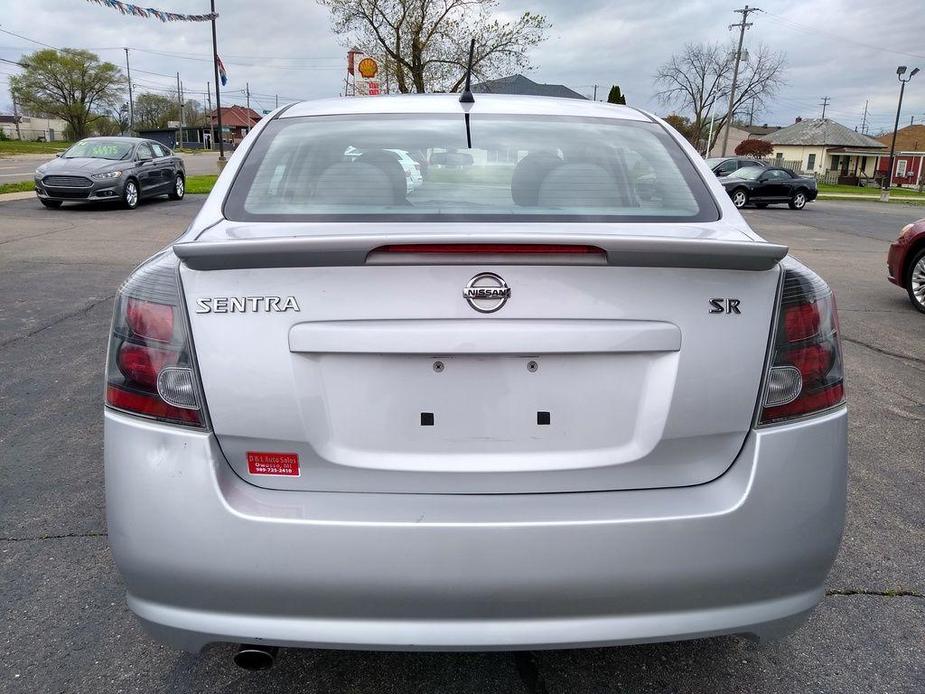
(421,168)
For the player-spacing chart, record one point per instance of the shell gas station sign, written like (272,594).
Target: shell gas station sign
(363,73)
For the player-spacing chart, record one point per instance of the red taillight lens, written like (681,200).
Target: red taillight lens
(150,320)
(806,372)
(151,371)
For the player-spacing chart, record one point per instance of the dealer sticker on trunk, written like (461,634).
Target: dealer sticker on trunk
(285,464)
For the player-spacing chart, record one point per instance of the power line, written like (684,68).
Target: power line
(816,30)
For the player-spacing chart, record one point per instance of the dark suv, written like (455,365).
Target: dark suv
(723,166)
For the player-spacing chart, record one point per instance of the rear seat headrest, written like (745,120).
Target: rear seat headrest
(528,176)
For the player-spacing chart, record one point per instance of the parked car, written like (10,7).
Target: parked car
(724,166)
(408,170)
(906,262)
(111,169)
(770,186)
(531,409)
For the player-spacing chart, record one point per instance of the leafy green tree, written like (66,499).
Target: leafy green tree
(155,110)
(73,85)
(684,126)
(616,96)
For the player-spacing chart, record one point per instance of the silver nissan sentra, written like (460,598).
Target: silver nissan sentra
(559,394)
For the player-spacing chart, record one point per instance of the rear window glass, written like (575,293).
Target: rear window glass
(410,167)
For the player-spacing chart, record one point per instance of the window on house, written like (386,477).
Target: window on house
(811,162)
(901,167)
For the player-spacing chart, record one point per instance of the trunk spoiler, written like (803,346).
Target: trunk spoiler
(366,249)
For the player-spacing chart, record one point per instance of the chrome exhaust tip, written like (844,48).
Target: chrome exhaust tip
(254,657)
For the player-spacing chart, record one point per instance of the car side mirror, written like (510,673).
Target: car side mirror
(58,155)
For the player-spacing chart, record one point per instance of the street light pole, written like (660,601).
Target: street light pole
(218,98)
(888,181)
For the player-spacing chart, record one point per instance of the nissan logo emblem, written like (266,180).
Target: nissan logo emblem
(487,292)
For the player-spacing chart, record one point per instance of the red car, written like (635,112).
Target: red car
(906,262)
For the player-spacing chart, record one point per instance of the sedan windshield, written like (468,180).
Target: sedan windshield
(421,167)
(750,173)
(100,149)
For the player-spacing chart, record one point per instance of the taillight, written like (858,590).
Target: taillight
(150,369)
(806,373)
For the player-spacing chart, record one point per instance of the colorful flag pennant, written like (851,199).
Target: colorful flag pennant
(147,12)
(222,75)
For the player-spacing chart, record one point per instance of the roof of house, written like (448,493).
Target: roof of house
(762,129)
(821,132)
(908,139)
(238,117)
(518,84)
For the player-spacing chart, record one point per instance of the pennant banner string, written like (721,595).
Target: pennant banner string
(148,12)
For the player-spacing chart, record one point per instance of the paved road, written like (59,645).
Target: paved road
(64,626)
(21,167)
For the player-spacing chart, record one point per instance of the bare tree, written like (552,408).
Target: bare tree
(424,43)
(698,79)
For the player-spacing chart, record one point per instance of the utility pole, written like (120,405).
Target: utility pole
(218,98)
(824,104)
(277,101)
(888,181)
(131,103)
(751,113)
(247,92)
(594,98)
(180,111)
(209,107)
(864,119)
(742,26)
(16,120)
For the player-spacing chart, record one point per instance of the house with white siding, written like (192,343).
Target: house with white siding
(821,146)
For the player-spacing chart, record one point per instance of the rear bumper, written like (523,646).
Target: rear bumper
(207,557)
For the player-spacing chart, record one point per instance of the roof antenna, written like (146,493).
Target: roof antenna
(466,97)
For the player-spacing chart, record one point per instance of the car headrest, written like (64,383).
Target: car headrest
(388,164)
(579,185)
(354,183)
(529,174)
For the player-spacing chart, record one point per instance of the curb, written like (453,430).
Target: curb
(23,195)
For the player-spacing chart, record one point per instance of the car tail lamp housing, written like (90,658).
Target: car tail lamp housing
(806,372)
(151,369)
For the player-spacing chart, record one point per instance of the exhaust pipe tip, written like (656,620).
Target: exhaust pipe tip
(255,657)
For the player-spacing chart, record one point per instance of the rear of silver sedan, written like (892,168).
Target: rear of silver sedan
(556,395)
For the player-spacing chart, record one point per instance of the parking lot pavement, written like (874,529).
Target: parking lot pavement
(64,625)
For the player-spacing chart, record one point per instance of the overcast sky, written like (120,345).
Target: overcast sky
(847,50)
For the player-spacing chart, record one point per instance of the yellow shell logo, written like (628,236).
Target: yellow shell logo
(368,68)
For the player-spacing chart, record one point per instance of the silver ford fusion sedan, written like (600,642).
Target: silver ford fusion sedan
(111,169)
(559,394)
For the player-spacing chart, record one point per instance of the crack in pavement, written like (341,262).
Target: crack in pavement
(876,593)
(64,536)
(60,319)
(885,352)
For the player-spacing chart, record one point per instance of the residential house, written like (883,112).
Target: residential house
(909,157)
(518,84)
(821,146)
(237,121)
(738,133)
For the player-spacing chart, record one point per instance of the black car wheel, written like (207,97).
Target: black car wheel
(51,204)
(179,188)
(798,201)
(739,197)
(915,281)
(130,194)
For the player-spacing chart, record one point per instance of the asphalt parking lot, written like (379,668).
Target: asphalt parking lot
(65,626)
